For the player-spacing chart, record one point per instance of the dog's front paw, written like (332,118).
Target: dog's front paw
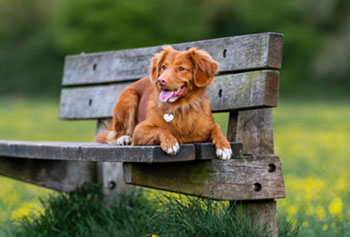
(172,151)
(224,154)
(170,146)
(120,141)
(124,140)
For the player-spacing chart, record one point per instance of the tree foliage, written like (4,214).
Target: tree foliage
(35,35)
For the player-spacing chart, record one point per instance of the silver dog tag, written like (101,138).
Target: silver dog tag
(168,117)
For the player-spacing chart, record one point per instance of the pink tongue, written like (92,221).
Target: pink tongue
(164,96)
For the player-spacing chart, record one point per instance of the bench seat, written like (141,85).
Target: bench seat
(251,177)
(89,151)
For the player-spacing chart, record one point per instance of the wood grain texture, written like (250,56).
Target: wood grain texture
(85,151)
(110,174)
(255,131)
(207,151)
(242,91)
(89,102)
(275,51)
(262,212)
(54,174)
(258,89)
(237,53)
(232,125)
(247,178)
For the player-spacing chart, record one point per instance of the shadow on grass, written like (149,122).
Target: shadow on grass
(85,213)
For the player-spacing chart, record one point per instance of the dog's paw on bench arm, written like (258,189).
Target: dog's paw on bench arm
(85,151)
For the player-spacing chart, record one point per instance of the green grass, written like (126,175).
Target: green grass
(85,213)
(312,138)
(38,121)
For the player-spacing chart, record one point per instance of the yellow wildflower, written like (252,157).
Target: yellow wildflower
(340,184)
(325,227)
(335,207)
(305,224)
(309,211)
(26,209)
(320,212)
(312,187)
(292,210)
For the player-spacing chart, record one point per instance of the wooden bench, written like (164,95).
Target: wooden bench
(246,87)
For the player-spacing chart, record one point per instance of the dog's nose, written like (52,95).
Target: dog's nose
(162,80)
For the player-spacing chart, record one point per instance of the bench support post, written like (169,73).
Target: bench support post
(110,174)
(263,212)
(254,129)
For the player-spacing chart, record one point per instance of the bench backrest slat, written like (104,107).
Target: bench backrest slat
(240,91)
(238,53)
(93,82)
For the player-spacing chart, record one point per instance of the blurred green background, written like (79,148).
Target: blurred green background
(35,36)
(312,129)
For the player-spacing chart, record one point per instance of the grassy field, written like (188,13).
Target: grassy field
(312,138)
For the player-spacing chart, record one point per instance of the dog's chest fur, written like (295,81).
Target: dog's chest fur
(190,124)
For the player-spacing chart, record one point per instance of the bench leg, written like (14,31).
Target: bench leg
(262,212)
(254,128)
(110,174)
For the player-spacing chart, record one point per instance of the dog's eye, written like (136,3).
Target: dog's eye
(163,67)
(181,68)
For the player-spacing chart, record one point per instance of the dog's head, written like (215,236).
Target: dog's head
(177,74)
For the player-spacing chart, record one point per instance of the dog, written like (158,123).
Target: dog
(170,106)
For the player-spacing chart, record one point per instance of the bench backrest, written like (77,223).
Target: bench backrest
(93,82)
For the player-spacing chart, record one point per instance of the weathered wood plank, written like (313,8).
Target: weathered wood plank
(207,151)
(111,173)
(247,178)
(54,174)
(248,90)
(262,212)
(89,102)
(275,51)
(85,151)
(244,91)
(92,152)
(255,129)
(238,53)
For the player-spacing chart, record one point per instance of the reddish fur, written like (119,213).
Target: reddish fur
(139,112)
(102,137)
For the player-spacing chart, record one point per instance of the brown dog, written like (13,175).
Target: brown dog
(170,106)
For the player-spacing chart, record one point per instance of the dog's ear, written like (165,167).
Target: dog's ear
(204,67)
(157,62)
